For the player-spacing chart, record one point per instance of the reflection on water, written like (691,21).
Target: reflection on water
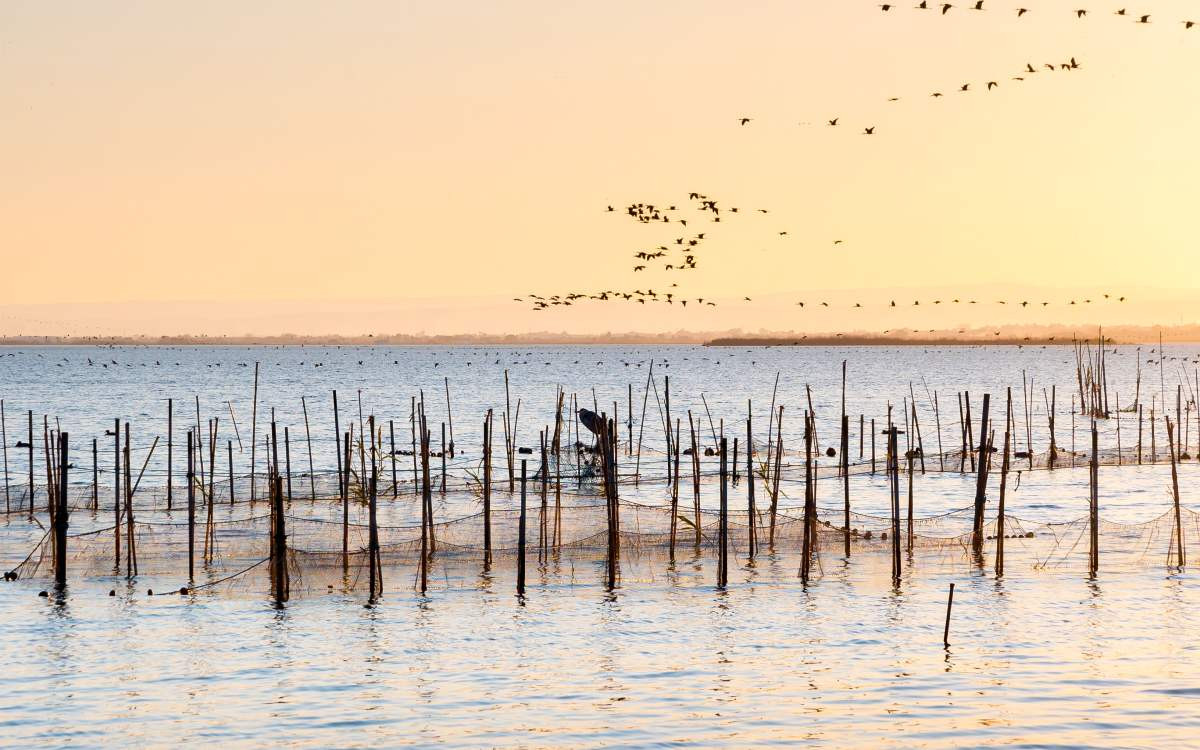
(1042,657)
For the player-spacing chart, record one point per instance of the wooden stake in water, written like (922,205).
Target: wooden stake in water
(170,449)
(1004,466)
(949,606)
(61,516)
(1094,510)
(254,430)
(191,508)
(723,528)
(1177,536)
(487,490)
(751,511)
(116,493)
(981,479)
(521,537)
(846,485)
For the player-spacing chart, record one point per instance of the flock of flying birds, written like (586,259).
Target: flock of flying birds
(682,252)
(979,5)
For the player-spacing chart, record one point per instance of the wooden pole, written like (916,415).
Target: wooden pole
(751,511)
(376,575)
(723,528)
(170,450)
(191,506)
(254,432)
(1177,536)
(487,490)
(31,484)
(344,486)
(287,461)
(4,442)
(1004,466)
(229,453)
(1094,515)
(521,537)
(312,480)
(949,606)
(95,475)
(846,485)
(61,516)
(116,494)
(675,493)
(981,479)
(392,440)
(131,568)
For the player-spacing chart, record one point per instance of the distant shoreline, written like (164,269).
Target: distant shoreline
(1041,336)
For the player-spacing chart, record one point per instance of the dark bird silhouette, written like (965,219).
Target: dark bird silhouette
(1188,24)
(869,131)
(946,8)
(1080,13)
(837,242)
(886,7)
(991,85)
(639,268)
(1029,68)
(744,120)
(833,122)
(964,87)
(1144,19)
(978,5)
(747,299)
(1120,12)
(936,94)
(1022,11)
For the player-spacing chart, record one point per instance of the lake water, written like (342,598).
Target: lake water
(1045,655)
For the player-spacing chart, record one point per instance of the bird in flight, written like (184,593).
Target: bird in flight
(886,7)
(1080,13)
(1144,19)
(978,5)
(837,242)
(833,122)
(1022,11)
(991,85)
(869,131)
(936,94)
(964,87)
(744,120)
(1188,24)
(946,8)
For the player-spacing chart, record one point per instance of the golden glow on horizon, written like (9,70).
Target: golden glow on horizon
(401,151)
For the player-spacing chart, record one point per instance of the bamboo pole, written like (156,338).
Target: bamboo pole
(1177,536)
(751,511)
(949,606)
(116,494)
(521,538)
(1004,467)
(981,480)
(61,516)
(723,528)
(312,480)
(170,450)
(846,485)
(191,507)
(254,432)
(487,490)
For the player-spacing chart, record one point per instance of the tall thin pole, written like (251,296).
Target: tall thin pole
(253,432)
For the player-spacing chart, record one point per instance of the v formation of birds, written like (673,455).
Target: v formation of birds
(682,254)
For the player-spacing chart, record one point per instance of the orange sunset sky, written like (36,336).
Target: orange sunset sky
(314,167)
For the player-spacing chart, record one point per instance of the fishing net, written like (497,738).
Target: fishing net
(566,536)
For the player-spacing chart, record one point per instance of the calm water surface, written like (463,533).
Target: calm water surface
(1044,657)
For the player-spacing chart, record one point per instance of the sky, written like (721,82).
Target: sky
(253,167)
